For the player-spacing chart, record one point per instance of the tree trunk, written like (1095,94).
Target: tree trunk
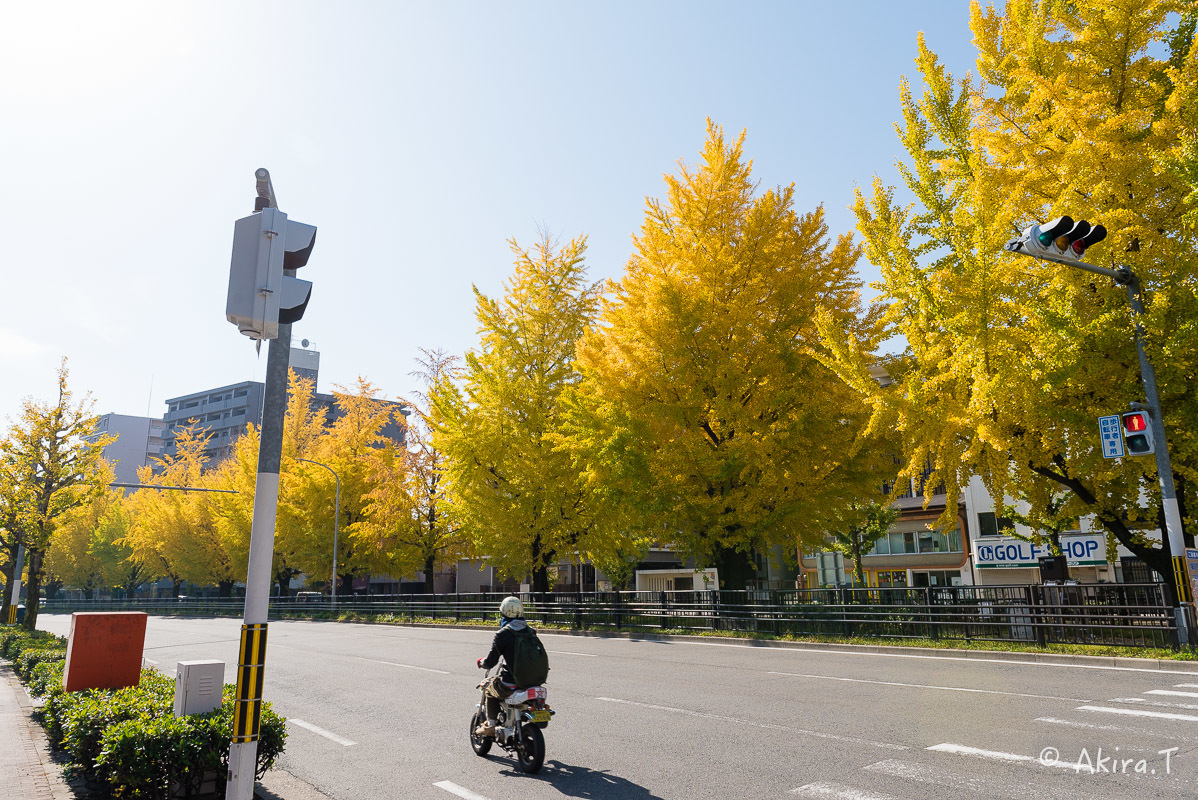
(33,590)
(1157,558)
(735,567)
(858,570)
(430,563)
(88,593)
(176,587)
(224,589)
(346,589)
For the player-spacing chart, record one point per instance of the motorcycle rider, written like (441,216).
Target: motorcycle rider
(499,687)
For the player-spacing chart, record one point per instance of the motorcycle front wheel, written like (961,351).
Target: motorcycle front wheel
(481,745)
(530,751)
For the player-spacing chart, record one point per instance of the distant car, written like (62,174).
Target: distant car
(308,597)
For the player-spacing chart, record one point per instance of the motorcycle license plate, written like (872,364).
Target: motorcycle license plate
(540,716)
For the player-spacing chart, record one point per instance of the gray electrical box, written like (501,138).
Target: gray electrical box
(198,686)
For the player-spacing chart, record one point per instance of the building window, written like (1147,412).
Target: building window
(240,393)
(192,404)
(892,579)
(239,412)
(918,539)
(989,524)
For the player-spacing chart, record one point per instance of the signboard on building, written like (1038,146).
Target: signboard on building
(1110,432)
(1080,550)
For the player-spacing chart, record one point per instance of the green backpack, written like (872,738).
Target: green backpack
(531,666)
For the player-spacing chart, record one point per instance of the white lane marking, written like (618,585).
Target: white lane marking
(322,732)
(924,773)
(460,791)
(993,755)
(837,791)
(1139,712)
(405,666)
(1171,693)
(150,661)
(764,725)
(939,658)
(1186,685)
(930,686)
(1160,703)
(568,653)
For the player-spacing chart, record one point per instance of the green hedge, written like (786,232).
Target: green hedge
(130,738)
(24,663)
(14,639)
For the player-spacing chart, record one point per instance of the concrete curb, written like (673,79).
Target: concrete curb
(1125,662)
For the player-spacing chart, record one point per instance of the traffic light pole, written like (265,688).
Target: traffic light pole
(1173,529)
(1164,469)
(251,663)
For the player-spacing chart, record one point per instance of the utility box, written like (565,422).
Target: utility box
(198,686)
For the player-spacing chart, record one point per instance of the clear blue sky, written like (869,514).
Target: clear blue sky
(418,137)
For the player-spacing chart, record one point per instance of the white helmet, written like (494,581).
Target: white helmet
(511,607)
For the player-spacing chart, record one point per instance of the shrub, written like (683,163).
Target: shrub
(46,678)
(14,639)
(131,740)
(145,759)
(29,658)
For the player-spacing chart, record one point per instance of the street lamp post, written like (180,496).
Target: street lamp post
(1070,255)
(336,519)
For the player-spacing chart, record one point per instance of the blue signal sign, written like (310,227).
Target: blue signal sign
(1110,431)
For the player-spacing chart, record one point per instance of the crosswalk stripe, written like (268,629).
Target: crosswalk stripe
(993,755)
(1163,703)
(924,773)
(826,790)
(1171,693)
(1168,735)
(1138,712)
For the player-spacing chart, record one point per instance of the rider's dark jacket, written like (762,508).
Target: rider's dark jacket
(504,644)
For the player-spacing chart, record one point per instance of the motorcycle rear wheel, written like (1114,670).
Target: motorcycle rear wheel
(530,751)
(481,745)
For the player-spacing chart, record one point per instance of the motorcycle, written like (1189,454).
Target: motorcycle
(522,717)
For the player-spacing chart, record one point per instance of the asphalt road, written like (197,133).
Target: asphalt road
(382,712)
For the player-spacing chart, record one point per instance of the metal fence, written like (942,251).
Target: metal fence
(1135,615)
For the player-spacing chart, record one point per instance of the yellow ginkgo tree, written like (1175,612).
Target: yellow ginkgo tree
(515,492)
(706,418)
(1009,361)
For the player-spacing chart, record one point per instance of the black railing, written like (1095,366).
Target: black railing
(1135,615)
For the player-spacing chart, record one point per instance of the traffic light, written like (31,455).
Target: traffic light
(1061,240)
(1137,433)
(260,296)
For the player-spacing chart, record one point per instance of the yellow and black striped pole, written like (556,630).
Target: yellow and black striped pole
(251,666)
(1181,577)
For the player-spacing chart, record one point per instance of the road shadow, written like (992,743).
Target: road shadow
(574,781)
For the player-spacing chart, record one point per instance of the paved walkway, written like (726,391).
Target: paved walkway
(26,769)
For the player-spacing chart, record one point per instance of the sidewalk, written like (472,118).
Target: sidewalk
(27,772)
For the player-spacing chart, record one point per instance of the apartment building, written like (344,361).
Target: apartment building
(139,443)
